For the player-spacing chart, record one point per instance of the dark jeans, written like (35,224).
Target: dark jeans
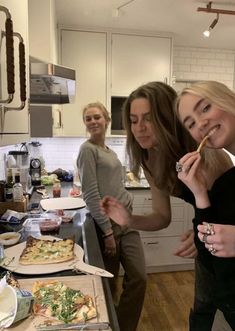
(130,255)
(202,315)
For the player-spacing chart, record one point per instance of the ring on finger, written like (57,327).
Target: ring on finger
(178,167)
(210,229)
(204,238)
(212,250)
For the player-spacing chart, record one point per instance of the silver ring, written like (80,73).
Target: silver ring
(204,238)
(210,229)
(178,167)
(212,250)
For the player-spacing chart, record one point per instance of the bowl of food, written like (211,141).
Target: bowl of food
(9,238)
(45,223)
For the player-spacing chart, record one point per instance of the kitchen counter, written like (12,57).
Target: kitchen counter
(84,231)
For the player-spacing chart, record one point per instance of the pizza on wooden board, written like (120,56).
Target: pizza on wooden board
(53,299)
(39,251)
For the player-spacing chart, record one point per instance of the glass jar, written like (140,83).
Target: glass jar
(56,190)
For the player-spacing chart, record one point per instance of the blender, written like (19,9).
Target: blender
(36,162)
(18,161)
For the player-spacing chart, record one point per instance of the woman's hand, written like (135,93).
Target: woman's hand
(192,175)
(187,247)
(112,208)
(110,245)
(222,241)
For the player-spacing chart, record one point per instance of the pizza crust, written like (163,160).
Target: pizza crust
(38,251)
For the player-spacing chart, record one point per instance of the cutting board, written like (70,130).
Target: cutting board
(12,255)
(62,203)
(88,284)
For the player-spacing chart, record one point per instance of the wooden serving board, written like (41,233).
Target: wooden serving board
(88,284)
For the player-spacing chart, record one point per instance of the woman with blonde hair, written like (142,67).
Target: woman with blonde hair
(207,110)
(101,173)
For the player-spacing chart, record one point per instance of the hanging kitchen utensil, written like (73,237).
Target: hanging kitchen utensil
(10,71)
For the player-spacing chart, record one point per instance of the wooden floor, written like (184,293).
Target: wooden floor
(168,299)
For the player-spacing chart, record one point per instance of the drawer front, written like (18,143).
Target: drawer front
(159,251)
(174,229)
(178,211)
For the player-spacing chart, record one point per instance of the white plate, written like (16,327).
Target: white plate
(12,255)
(62,203)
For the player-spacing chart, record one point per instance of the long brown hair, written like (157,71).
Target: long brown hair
(173,139)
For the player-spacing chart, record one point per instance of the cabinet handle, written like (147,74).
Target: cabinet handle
(9,55)
(22,73)
(151,243)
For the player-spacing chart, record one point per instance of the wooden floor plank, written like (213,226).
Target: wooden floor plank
(168,299)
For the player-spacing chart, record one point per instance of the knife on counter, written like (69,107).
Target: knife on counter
(78,326)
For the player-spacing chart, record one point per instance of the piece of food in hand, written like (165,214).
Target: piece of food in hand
(39,251)
(53,299)
(202,143)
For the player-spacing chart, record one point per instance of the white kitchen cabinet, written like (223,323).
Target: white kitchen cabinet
(86,52)
(14,124)
(139,59)
(43,30)
(160,245)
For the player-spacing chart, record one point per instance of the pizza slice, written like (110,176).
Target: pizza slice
(39,251)
(53,299)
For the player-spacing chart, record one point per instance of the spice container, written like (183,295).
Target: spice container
(56,189)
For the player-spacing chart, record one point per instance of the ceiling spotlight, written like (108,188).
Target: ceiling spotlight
(206,33)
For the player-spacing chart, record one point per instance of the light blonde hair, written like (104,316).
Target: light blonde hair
(174,140)
(100,106)
(212,91)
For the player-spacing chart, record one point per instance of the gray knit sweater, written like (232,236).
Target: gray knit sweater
(101,174)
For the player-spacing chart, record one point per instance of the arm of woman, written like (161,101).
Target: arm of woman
(157,220)
(192,176)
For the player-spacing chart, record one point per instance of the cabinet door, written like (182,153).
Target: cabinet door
(137,60)
(14,122)
(86,53)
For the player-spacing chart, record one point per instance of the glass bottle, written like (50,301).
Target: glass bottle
(56,189)
(9,186)
(18,192)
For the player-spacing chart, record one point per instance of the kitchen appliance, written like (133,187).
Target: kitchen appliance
(37,162)
(116,114)
(35,172)
(18,161)
(51,83)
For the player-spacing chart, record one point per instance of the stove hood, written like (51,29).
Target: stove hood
(51,83)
